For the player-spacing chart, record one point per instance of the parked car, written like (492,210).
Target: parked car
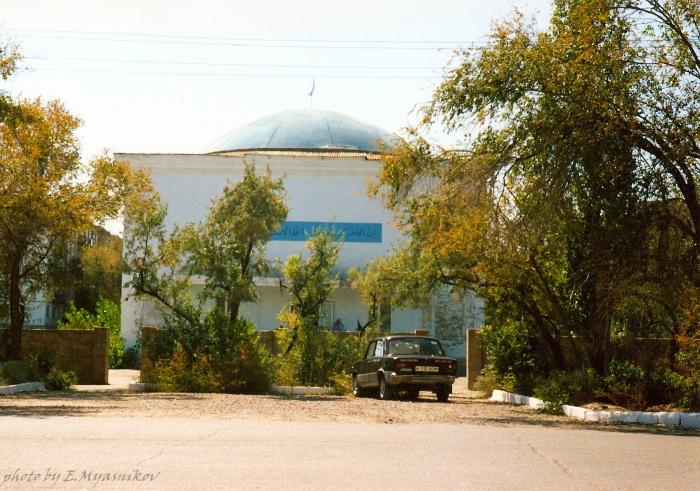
(404,363)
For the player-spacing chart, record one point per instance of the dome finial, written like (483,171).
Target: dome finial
(311,94)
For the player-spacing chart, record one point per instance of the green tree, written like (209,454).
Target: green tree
(205,334)
(8,62)
(553,209)
(100,272)
(48,199)
(309,281)
(228,248)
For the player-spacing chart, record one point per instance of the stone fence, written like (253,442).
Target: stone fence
(83,351)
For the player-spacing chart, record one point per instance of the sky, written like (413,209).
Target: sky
(174,76)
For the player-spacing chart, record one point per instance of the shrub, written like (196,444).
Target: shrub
(625,384)
(320,357)
(690,396)
(249,370)
(510,356)
(342,382)
(179,374)
(18,372)
(559,388)
(42,361)
(216,355)
(486,383)
(637,387)
(59,380)
(132,357)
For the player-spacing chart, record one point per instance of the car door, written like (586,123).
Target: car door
(363,371)
(374,360)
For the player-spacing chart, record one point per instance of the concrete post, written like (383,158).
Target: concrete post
(476,358)
(100,356)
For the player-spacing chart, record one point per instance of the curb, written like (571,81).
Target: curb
(301,390)
(682,420)
(25,387)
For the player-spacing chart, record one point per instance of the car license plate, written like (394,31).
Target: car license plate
(427,369)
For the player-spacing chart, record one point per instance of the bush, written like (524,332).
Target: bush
(320,357)
(342,383)
(559,388)
(510,356)
(486,383)
(216,355)
(42,361)
(18,372)
(179,374)
(59,380)
(690,397)
(249,370)
(637,387)
(132,357)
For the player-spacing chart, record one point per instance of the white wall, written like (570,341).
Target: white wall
(324,189)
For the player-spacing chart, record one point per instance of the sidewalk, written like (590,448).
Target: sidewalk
(119,380)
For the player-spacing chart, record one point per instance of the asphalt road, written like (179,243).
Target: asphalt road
(169,453)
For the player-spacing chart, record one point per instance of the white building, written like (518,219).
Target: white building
(326,160)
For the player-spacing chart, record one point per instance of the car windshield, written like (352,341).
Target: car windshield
(415,346)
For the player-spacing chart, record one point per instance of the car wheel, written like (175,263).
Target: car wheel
(443,393)
(386,391)
(357,391)
(413,394)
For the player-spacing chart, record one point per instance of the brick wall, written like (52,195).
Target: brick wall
(85,352)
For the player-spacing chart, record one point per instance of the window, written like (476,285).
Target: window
(370,350)
(379,351)
(325,315)
(415,346)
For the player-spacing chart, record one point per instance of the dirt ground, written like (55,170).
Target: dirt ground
(464,407)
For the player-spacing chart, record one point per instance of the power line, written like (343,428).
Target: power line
(246,65)
(245,40)
(249,45)
(245,75)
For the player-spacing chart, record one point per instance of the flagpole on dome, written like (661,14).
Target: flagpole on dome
(311,93)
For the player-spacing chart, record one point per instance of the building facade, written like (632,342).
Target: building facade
(325,160)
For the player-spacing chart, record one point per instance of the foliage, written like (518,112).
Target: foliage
(107,314)
(559,388)
(573,207)
(49,198)
(324,360)
(486,383)
(59,380)
(100,272)
(206,333)
(511,358)
(180,374)
(18,372)
(315,355)
(132,357)
(228,248)
(217,355)
(39,366)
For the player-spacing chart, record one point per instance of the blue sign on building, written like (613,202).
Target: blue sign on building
(345,231)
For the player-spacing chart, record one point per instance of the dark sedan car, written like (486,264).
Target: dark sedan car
(404,363)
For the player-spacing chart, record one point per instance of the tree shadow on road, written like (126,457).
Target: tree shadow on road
(73,403)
